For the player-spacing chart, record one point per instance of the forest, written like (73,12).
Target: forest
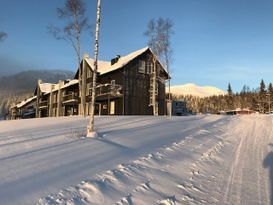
(259,99)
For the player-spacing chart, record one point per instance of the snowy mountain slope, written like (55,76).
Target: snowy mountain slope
(195,90)
(26,81)
(137,160)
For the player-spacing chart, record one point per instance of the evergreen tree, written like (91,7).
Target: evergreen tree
(230,102)
(229,90)
(262,90)
(270,96)
(270,89)
(262,96)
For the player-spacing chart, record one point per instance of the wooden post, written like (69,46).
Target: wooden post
(38,98)
(90,130)
(99,109)
(108,106)
(59,99)
(50,113)
(84,85)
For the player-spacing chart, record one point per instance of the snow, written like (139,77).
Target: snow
(24,102)
(46,87)
(195,90)
(105,66)
(206,159)
(56,86)
(70,83)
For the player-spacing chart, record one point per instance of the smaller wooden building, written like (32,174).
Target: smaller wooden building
(239,111)
(25,109)
(60,99)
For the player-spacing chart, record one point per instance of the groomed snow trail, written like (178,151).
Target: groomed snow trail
(138,160)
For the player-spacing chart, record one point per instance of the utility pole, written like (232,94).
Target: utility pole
(90,128)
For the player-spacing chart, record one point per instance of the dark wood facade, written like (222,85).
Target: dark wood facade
(123,88)
(135,85)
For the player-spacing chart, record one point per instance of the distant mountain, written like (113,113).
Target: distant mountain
(195,90)
(26,81)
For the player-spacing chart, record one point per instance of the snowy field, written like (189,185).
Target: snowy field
(138,160)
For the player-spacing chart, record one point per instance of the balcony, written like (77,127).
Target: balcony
(107,91)
(43,104)
(71,98)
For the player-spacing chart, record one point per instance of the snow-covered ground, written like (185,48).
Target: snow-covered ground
(138,160)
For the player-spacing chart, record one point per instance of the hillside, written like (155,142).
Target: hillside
(195,90)
(26,81)
(17,87)
(206,159)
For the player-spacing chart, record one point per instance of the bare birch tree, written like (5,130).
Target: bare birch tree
(3,36)
(73,13)
(90,129)
(159,32)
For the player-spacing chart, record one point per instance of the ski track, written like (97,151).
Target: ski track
(139,160)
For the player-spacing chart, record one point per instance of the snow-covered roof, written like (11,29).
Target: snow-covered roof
(46,87)
(105,66)
(24,102)
(239,109)
(69,83)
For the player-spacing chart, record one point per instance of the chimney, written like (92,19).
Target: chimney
(85,55)
(115,60)
(40,81)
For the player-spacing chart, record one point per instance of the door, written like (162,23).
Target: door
(112,108)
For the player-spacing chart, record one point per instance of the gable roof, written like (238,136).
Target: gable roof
(26,101)
(106,67)
(46,87)
(66,85)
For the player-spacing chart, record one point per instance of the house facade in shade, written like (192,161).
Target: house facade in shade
(60,99)
(24,110)
(127,85)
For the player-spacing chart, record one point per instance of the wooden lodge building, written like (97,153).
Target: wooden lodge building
(128,85)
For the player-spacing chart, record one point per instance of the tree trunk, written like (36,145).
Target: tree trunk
(154,101)
(90,130)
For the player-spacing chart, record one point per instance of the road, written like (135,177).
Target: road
(138,160)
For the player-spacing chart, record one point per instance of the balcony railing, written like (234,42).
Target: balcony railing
(71,97)
(43,104)
(107,89)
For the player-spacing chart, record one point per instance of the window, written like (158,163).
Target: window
(149,67)
(113,84)
(89,73)
(141,67)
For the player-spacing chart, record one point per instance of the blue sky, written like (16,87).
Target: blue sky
(215,41)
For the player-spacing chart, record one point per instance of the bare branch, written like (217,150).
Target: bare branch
(158,33)
(73,13)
